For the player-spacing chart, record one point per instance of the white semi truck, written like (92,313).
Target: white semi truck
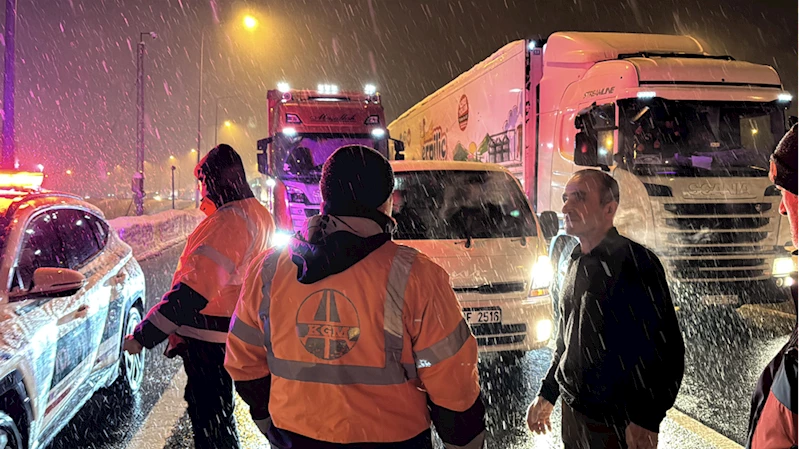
(687,134)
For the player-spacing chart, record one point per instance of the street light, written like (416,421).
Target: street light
(250,22)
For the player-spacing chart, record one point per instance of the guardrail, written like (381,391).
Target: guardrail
(149,235)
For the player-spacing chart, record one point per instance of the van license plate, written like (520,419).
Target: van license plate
(483,316)
(719,300)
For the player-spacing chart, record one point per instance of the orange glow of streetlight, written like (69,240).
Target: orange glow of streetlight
(193,150)
(171,157)
(228,123)
(69,172)
(250,22)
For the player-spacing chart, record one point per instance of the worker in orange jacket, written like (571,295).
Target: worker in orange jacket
(195,314)
(346,337)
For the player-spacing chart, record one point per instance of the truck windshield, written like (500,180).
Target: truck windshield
(453,205)
(692,138)
(301,157)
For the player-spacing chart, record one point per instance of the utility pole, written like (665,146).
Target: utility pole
(173,187)
(138,175)
(199,115)
(8,158)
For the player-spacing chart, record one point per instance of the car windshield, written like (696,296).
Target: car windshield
(688,138)
(303,156)
(449,204)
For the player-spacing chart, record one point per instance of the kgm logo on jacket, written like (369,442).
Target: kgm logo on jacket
(328,324)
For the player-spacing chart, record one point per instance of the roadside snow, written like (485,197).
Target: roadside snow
(149,235)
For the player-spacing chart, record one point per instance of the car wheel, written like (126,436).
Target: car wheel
(131,367)
(10,438)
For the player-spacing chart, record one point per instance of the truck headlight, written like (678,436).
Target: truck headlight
(541,276)
(783,266)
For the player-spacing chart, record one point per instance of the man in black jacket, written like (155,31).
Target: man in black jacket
(619,358)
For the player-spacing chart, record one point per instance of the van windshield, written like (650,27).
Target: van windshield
(453,205)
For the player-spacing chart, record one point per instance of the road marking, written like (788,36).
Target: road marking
(163,418)
(704,432)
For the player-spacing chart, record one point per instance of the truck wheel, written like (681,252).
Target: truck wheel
(131,367)
(10,438)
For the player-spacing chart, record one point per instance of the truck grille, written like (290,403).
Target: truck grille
(718,241)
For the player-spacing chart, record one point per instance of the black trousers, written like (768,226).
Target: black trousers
(209,394)
(582,432)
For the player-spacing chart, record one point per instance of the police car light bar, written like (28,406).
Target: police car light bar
(21,180)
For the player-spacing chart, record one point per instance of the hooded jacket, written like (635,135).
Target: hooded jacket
(370,328)
(207,281)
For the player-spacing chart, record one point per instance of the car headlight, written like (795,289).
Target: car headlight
(543,330)
(281,238)
(783,266)
(541,276)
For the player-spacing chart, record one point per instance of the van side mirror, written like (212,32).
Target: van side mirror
(585,150)
(51,283)
(549,224)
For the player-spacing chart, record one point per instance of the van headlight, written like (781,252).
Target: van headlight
(783,266)
(541,276)
(281,238)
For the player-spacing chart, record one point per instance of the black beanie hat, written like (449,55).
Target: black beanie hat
(783,171)
(356,180)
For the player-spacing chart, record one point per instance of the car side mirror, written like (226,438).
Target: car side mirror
(52,283)
(585,150)
(549,224)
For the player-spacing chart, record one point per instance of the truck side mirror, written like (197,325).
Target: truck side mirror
(549,224)
(399,150)
(792,121)
(585,150)
(263,156)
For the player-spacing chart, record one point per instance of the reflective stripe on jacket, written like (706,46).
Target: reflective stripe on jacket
(355,357)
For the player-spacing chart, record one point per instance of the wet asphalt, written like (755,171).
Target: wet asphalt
(724,356)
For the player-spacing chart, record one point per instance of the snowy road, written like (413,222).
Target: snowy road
(713,406)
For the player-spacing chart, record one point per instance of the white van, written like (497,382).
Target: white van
(474,220)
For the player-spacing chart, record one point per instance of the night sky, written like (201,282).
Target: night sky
(76,63)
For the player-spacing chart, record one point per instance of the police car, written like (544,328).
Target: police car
(70,290)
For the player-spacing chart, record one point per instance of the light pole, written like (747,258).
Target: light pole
(138,176)
(173,187)
(216,116)
(9,138)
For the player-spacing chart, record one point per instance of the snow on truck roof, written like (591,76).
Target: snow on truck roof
(578,47)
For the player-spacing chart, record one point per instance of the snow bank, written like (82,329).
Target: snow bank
(151,234)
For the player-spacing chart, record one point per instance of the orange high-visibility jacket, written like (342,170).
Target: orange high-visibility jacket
(354,357)
(209,276)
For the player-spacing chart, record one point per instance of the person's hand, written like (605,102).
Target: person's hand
(640,438)
(131,345)
(538,416)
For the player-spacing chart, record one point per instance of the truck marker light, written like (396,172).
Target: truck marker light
(370,89)
(647,94)
(283,87)
(289,131)
(784,97)
(378,133)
